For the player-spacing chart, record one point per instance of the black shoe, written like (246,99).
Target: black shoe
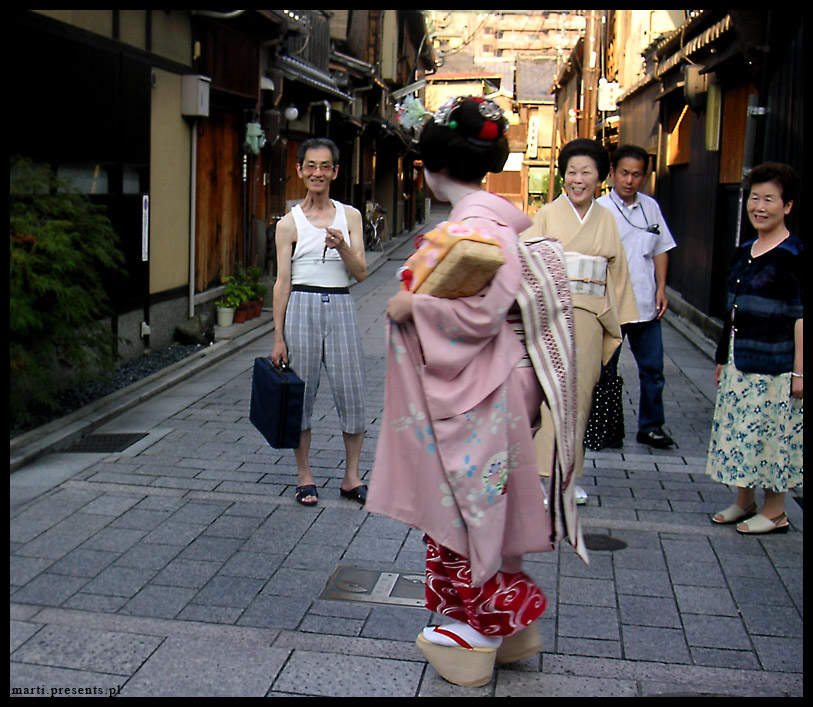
(655,438)
(358,494)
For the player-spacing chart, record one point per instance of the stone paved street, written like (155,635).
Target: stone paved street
(181,565)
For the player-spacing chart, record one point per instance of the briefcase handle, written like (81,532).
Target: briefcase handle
(282,365)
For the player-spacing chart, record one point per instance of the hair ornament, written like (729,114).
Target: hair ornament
(494,125)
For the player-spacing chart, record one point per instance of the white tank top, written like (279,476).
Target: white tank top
(307,266)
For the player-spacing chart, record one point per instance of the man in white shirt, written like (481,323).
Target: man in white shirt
(647,240)
(320,247)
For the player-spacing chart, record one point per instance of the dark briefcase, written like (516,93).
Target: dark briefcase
(277,394)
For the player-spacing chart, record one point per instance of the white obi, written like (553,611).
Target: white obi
(587,274)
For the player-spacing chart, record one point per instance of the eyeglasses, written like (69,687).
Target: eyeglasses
(312,167)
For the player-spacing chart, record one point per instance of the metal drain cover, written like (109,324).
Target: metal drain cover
(374,587)
(106,443)
(597,542)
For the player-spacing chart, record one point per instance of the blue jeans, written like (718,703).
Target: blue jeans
(646,344)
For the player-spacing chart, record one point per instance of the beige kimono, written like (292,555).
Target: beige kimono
(602,301)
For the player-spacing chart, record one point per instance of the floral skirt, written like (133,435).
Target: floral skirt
(757,432)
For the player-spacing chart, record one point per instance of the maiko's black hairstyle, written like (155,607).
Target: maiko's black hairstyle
(782,174)
(468,140)
(583,147)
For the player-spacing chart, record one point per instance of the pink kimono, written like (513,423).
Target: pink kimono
(455,453)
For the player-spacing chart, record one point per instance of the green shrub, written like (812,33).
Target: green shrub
(60,244)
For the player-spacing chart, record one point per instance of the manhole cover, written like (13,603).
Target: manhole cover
(106,443)
(594,541)
(372,586)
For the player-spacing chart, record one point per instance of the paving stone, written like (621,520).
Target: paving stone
(173,533)
(187,573)
(593,592)
(83,563)
(114,539)
(198,513)
(211,614)
(649,611)
(511,684)
(236,592)
(720,658)
(119,581)
(95,602)
(23,569)
(45,681)
(332,625)
(48,589)
(20,632)
(211,548)
(767,619)
(655,644)
(275,612)
(65,536)
(395,623)
(588,622)
(163,602)
(289,581)
(716,632)
(348,676)
(148,556)
(233,526)
(140,519)
(714,601)
(111,505)
(252,565)
(182,667)
(780,654)
(701,574)
(105,652)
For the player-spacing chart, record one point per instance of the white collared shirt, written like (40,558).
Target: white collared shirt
(641,245)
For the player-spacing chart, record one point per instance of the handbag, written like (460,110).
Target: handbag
(605,426)
(277,396)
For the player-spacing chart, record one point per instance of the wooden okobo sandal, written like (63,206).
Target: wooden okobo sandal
(462,664)
(520,645)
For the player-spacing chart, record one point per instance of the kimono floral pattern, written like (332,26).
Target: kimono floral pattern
(455,455)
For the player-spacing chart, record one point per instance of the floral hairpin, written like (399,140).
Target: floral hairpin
(493,128)
(411,114)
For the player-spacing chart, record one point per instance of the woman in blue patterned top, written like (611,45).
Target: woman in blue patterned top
(756,435)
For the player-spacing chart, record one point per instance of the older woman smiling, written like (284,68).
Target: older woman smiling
(600,285)
(758,427)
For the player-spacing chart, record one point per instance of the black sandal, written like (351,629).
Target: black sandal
(307,491)
(358,494)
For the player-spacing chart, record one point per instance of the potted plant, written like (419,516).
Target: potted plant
(258,289)
(235,294)
(238,284)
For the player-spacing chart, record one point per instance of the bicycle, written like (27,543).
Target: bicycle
(374,225)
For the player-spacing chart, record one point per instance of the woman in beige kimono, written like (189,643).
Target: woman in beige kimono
(600,284)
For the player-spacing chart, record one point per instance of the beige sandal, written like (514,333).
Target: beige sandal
(762,525)
(734,514)
(463,664)
(520,645)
